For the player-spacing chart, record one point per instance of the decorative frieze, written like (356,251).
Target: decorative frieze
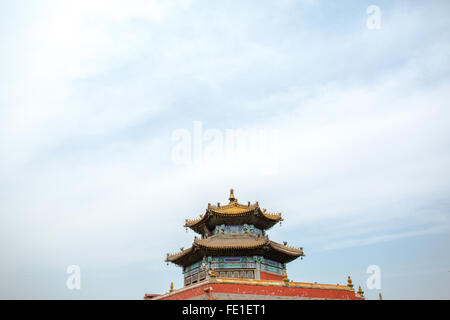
(237,229)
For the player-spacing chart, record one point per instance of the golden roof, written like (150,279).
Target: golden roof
(175,256)
(236,242)
(234,209)
(287,249)
(231,242)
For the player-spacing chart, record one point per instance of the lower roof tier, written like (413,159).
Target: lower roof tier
(235,245)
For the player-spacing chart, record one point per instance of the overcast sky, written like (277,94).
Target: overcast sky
(95,93)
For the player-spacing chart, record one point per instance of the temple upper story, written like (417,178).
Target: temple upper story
(233,214)
(234,242)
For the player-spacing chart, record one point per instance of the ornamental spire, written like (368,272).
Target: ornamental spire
(232,198)
(360,292)
(349,283)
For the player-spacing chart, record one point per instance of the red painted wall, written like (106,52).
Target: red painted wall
(188,294)
(265,290)
(269,276)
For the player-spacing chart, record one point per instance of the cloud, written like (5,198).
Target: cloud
(96,91)
(389,237)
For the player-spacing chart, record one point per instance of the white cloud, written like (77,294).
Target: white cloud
(100,86)
(389,237)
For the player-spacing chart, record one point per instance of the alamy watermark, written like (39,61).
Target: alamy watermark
(374,280)
(255,148)
(374,19)
(73,282)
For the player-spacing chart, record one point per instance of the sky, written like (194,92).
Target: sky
(121,119)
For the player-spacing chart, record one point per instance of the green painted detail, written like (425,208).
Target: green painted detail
(233,265)
(271,269)
(231,259)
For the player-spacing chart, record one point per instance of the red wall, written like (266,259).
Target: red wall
(188,294)
(269,276)
(265,290)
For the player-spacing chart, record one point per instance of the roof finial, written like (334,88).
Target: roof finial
(360,292)
(232,198)
(349,283)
